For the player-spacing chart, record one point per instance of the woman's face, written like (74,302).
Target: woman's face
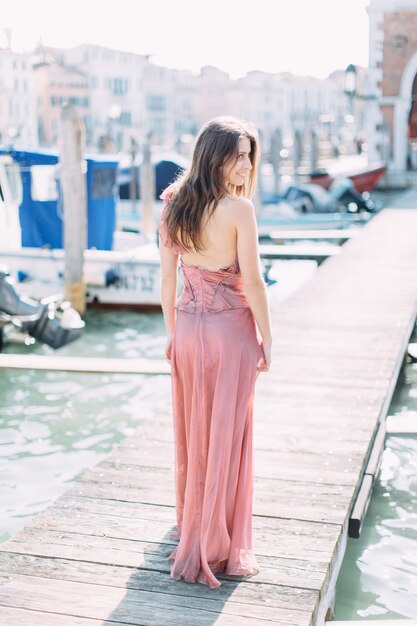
(236,172)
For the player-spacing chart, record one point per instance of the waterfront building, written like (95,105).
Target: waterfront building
(392,114)
(158,106)
(17,99)
(116,98)
(124,97)
(56,85)
(285,101)
(215,89)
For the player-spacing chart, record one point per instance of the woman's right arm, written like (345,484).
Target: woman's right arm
(254,285)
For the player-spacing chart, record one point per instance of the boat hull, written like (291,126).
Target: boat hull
(114,279)
(365,179)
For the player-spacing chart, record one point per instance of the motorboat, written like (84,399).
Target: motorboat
(364,176)
(120,269)
(51,321)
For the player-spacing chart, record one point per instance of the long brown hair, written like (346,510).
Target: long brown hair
(199,190)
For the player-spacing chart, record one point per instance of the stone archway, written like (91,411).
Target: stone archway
(402,113)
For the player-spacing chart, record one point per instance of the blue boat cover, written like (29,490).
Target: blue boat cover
(41,210)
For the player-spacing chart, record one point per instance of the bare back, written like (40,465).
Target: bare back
(220,238)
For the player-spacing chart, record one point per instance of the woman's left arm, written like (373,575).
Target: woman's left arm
(169,280)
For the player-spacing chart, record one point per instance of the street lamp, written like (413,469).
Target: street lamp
(350,85)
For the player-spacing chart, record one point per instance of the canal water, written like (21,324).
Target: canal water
(378,578)
(54,425)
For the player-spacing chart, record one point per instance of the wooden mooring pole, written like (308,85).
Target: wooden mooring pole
(75,206)
(147,189)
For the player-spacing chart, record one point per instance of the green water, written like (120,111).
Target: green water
(54,425)
(378,578)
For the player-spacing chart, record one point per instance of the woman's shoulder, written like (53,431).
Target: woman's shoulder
(237,202)
(168,193)
(239,206)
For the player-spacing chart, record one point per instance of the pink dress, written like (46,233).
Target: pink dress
(215,352)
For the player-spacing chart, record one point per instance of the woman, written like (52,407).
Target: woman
(215,348)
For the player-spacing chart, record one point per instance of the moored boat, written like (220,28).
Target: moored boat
(31,212)
(364,177)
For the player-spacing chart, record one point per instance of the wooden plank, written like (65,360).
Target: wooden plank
(288,573)
(374,461)
(339,234)
(11,616)
(297,499)
(58,548)
(381,622)
(141,607)
(302,539)
(361,506)
(84,364)
(298,252)
(279,596)
(271,464)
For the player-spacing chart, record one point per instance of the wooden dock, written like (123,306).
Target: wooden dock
(84,364)
(336,234)
(98,555)
(318,252)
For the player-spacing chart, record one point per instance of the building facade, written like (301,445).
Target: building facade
(17,100)
(55,86)
(392,116)
(123,98)
(116,97)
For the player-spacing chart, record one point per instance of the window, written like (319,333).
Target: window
(156,103)
(126,118)
(44,182)
(158,124)
(103,182)
(118,86)
(12,171)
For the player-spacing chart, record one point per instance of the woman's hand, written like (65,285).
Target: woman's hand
(265,360)
(168,348)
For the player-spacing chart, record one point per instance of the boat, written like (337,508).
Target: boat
(51,320)
(309,206)
(125,278)
(119,270)
(364,177)
(167,166)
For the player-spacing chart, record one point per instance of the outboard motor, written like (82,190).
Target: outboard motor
(343,192)
(50,321)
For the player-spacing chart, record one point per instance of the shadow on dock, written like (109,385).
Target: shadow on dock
(152,594)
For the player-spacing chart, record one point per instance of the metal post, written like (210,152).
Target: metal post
(314,153)
(298,151)
(75,206)
(133,190)
(276,146)
(147,190)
